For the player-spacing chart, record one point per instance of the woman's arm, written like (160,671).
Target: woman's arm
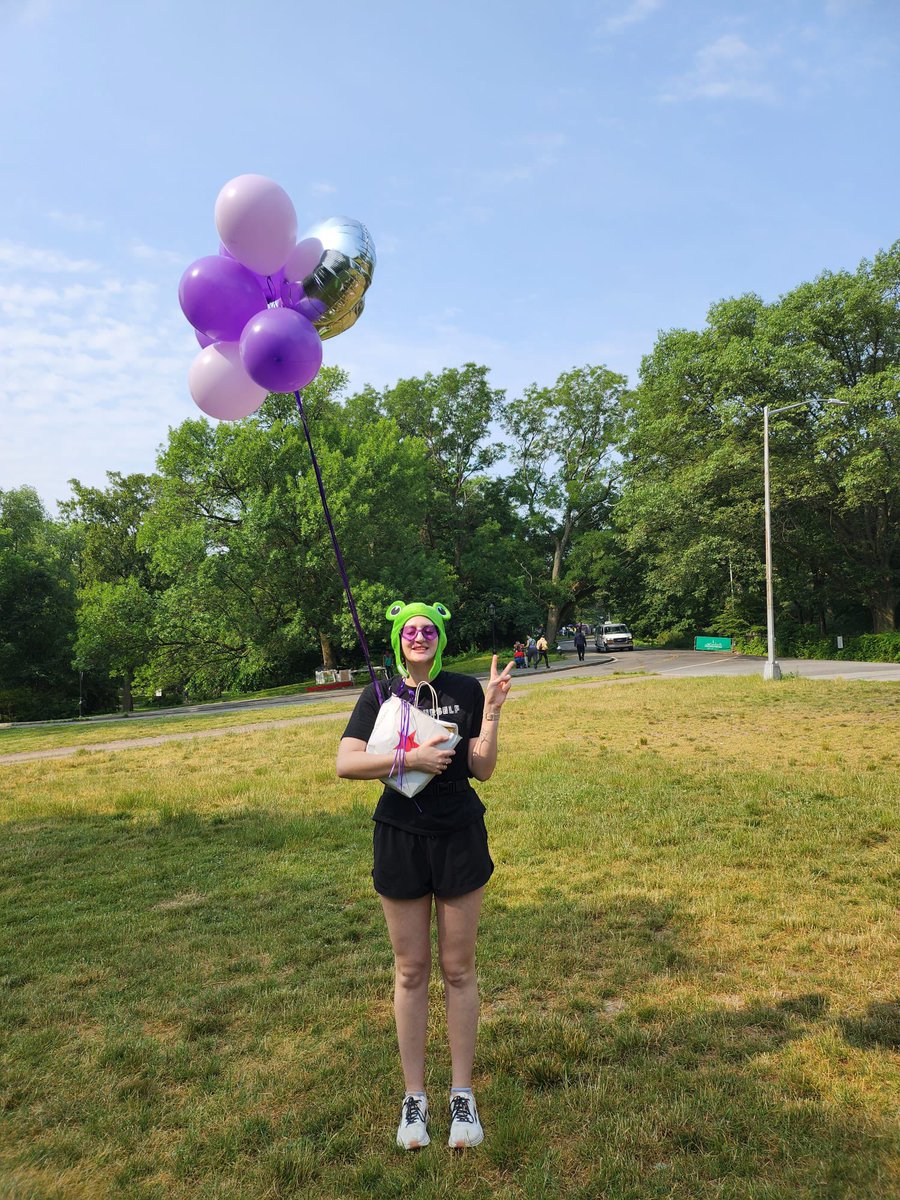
(483,749)
(355,762)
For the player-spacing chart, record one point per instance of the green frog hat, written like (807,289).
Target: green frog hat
(399,613)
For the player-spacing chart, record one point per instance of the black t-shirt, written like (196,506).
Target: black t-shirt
(449,802)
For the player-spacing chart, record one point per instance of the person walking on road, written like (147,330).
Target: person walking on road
(531,652)
(542,649)
(580,643)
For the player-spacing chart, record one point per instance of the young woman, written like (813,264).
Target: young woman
(433,847)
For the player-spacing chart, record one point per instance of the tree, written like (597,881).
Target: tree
(117,587)
(37,611)
(470,519)
(691,511)
(115,622)
(240,530)
(564,440)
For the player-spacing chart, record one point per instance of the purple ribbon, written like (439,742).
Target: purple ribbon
(337,553)
(399,763)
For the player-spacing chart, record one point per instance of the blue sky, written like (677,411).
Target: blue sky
(547,185)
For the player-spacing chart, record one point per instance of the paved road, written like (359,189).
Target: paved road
(700,662)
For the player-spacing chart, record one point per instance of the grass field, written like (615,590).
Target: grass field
(687,961)
(52,737)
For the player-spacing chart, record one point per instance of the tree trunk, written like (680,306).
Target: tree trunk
(552,625)
(127,699)
(327,651)
(883,602)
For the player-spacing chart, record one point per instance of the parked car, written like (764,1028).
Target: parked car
(613,637)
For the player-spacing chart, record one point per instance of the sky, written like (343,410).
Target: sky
(547,185)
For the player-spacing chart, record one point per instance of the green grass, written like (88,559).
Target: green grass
(685,961)
(479,663)
(53,736)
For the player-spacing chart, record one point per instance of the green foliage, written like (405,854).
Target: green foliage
(115,622)
(691,510)
(37,611)
(563,442)
(238,526)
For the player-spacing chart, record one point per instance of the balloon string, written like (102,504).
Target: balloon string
(337,552)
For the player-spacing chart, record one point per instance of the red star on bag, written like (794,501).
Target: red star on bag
(409,743)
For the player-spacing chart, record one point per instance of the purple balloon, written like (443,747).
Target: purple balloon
(293,296)
(219,296)
(280,350)
(202,339)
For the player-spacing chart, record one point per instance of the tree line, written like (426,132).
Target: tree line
(580,500)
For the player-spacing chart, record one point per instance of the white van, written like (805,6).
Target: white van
(613,637)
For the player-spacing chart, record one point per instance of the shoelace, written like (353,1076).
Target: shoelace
(460,1111)
(411,1111)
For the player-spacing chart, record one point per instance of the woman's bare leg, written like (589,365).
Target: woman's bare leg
(457,919)
(409,926)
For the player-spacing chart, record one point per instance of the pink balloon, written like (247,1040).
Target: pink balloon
(303,260)
(220,386)
(256,222)
(270,284)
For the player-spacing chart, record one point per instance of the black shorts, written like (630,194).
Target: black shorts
(411,865)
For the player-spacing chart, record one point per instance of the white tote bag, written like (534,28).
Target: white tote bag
(401,726)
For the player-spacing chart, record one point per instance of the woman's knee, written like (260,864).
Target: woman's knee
(458,972)
(412,973)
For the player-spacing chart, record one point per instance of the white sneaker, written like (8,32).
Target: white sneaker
(413,1131)
(465,1127)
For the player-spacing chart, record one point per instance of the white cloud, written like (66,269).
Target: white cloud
(726,69)
(633,12)
(35,12)
(152,254)
(94,370)
(541,153)
(17,255)
(76,222)
(322,189)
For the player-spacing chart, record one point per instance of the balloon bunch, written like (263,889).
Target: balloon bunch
(262,306)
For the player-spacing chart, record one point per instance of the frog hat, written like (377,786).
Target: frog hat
(399,613)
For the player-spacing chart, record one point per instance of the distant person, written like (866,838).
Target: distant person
(531,652)
(542,649)
(580,643)
(519,655)
(387,661)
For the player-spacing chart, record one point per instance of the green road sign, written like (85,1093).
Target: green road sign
(712,643)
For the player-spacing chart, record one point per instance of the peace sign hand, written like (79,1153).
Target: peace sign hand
(498,685)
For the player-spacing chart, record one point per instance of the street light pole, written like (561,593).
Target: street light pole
(772,670)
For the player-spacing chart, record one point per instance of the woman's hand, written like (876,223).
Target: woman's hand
(498,686)
(433,756)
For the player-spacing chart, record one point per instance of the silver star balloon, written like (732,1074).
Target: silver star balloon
(332,295)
